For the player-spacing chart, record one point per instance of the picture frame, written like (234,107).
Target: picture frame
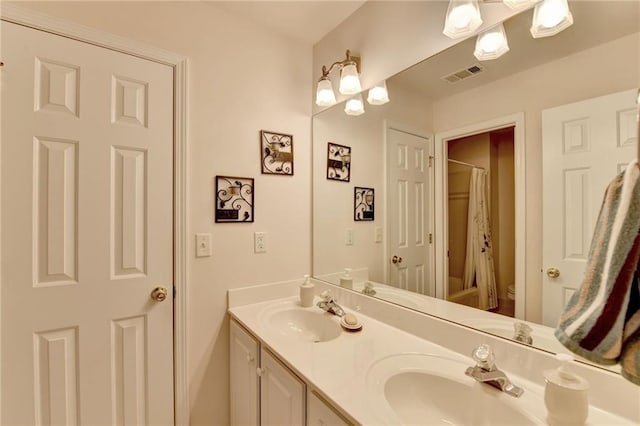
(234,199)
(363,204)
(338,162)
(276,153)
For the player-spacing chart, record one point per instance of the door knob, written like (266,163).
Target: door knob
(396,259)
(159,294)
(553,272)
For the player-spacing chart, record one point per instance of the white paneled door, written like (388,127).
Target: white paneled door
(86,234)
(410,207)
(585,145)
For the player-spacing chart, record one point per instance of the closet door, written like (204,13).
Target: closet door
(584,146)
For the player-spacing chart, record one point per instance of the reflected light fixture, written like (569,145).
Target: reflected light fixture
(354,106)
(520,4)
(378,94)
(550,17)
(491,44)
(463,18)
(349,80)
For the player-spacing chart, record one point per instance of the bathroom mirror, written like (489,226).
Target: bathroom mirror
(435,108)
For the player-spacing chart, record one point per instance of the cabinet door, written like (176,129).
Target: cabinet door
(281,394)
(321,413)
(243,360)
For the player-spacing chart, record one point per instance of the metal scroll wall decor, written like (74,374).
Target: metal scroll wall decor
(277,153)
(338,162)
(363,204)
(234,199)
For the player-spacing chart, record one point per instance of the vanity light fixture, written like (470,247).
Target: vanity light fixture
(354,106)
(378,94)
(463,18)
(349,80)
(520,4)
(491,44)
(550,17)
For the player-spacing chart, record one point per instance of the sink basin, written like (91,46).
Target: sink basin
(420,389)
(302,324)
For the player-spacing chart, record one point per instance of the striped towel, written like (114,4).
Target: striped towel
(601,322)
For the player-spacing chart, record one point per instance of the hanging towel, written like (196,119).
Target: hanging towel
(601,322)
(478,262)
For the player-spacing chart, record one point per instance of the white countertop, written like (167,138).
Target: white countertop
(338,368)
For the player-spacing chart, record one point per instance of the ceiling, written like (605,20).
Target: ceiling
(595,22)
(307,21)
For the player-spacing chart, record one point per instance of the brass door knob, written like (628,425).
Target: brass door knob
(396,260)
(553,272)
(159,294)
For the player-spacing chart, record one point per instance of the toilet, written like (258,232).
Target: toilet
(511,292)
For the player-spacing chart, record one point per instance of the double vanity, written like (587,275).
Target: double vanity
(295,365)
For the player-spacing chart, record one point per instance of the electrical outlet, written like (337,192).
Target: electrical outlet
(203,245)
(378,235)
(348,237)
(259,242)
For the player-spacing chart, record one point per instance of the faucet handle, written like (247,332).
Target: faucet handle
(484,357)
(326,296)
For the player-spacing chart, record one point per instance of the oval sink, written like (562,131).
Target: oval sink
(419,389)
(303,325)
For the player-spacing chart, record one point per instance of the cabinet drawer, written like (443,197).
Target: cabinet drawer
(321,413)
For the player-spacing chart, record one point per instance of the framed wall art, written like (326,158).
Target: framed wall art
(276,153)
(363,204)
(338,162)
(234,199)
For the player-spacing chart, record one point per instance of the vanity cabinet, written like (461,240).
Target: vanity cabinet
(263,391)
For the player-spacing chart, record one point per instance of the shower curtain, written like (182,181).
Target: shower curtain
(479,258)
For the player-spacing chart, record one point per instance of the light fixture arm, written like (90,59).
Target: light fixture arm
(348,61)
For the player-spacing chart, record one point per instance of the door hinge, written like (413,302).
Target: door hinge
(174,291)
(430,238)
(431,157)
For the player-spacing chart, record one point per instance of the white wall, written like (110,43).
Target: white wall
(365,135)
(242,79)
(391,36)
(567,80)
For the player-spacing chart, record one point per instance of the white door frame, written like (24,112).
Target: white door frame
(442,216)
(24,16)
(388,125)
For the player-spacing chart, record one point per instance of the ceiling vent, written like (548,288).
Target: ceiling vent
(463,74)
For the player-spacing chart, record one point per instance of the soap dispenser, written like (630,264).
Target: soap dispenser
(306,292)
(565,395)
(346,281)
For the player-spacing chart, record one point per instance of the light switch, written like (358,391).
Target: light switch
(348,237)
(378,235)
(203,245)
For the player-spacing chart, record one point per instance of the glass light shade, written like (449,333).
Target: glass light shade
(520,4)
(354,106)
(378,94)
(463,18)
(550,17)
(491,44)
(349,81)
(324,93)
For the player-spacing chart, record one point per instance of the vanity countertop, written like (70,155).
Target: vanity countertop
(339,368)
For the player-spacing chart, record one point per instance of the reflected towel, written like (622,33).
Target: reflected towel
(601,322)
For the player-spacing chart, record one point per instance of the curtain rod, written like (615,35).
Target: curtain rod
(462,163)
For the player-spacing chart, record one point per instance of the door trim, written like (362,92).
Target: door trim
(40,21)
(442,225)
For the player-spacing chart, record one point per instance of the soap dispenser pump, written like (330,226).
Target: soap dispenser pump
(306,292)
(565,395)
(346,281)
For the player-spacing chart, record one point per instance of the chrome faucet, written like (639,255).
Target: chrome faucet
(486,371)
(329,304)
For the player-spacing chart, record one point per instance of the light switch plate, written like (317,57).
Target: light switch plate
(348,237)
(378,235)
(203,245)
